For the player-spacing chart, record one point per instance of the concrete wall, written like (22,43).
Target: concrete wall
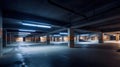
(0,29)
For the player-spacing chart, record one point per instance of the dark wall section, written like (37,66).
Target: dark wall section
(4,38)
(0,29)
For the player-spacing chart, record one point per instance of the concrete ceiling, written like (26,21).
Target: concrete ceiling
(15,11)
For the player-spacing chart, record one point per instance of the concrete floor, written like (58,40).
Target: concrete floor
(62,56)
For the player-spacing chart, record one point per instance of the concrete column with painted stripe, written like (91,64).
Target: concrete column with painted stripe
(117,37)
(71,37)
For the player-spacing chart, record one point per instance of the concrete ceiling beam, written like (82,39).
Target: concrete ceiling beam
(96,22)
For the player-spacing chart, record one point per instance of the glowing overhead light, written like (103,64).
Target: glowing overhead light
(114,35)
(23,33)
(84,35)
(26,30)
(56,35)
(63,33)
(36,25)
(34,22)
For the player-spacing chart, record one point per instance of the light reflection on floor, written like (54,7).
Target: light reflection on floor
(57,43)
(112,41)
(90,42)
(38,49)
(25,47)
(63,56)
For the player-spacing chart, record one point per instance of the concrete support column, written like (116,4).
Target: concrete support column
(39,40)
(35,39)
(108,37)
(52,38)
(31,38)
(101,35)
(10,38)
(48,39)
(77,37)
(14,40)
(71,37)
(58,39)
(117,37)
(62,38)
(24,39)
(55,39)
(4,38)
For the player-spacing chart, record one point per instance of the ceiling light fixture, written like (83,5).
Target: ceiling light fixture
(27,30)
(63,33)
(23,33)
(56,35)
(36,25)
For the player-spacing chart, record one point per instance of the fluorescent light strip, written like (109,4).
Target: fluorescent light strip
(84,35)
(27,30)
(43,26)
(21,33)
(63,33)
(56,35)
(34,22)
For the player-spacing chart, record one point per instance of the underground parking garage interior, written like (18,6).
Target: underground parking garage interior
(60,33)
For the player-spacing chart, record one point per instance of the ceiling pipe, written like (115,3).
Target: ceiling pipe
(67,9)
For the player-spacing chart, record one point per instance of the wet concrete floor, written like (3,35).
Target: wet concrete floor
(61,56)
